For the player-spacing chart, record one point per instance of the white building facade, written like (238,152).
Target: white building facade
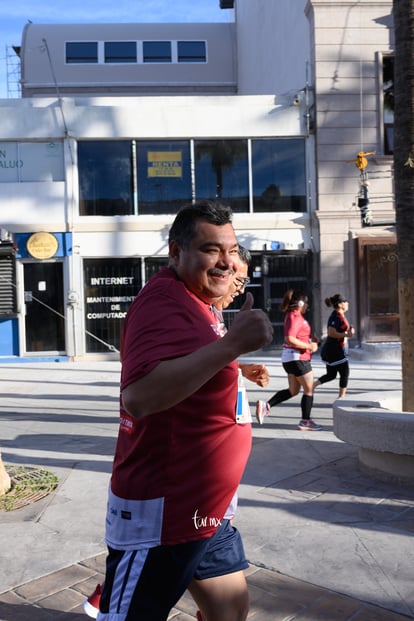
(121,124)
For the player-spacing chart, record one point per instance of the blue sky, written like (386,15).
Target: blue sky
(14,16)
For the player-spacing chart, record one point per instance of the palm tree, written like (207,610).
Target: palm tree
(404,186)
(222,154)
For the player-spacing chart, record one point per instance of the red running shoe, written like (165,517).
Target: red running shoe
(91,605)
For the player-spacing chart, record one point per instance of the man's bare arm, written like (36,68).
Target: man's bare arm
(172,381)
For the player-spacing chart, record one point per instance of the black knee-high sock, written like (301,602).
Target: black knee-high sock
(306,406)
(281,395)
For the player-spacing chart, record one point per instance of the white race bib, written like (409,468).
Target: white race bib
(243,413)
(289,354)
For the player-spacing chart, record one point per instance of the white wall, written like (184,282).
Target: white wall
(53,205)
(149,117)
(347,39)
(273,46)
(44,68)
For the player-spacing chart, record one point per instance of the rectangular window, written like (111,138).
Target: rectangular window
(110,288)
(191,52)
(105,178)
(120,51)
(164,176)
(82,52)
(388,103)
(156,51)
(222,172)
(129,177)
(42,161)
(279,177)
(31,161)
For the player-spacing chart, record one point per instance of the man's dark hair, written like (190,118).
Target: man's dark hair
(183,229)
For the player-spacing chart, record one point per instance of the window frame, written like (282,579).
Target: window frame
(139,55)
(110,59)
(88,60)
(159,59)
(385,128)
(153,165)
(200,58)
(232,159)
(102,171)
(275,192)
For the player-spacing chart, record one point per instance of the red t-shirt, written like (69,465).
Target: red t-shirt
(296,325)
(190,458)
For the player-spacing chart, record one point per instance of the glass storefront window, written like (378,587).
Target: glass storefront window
(279,178)
(162,180)
(222,172)
(110,287)
(44,161)
(164,176)
(105,179)
(31,161)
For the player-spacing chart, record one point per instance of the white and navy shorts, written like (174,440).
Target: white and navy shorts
(145,584)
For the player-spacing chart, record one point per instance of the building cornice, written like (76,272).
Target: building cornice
(335,4)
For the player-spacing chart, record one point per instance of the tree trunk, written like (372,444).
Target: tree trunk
(404,186)
(5,482)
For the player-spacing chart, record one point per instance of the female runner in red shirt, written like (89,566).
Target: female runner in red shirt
(296,360)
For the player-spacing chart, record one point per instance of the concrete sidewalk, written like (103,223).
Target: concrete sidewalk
(323,540)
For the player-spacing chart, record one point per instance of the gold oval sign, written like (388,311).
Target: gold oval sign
(42,245)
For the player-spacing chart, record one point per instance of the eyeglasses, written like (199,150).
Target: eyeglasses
(241,283)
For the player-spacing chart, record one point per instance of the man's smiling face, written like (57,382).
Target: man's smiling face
(207,266)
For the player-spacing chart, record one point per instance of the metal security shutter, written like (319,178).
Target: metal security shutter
(271,275)
(286,270)
(153,265)
(8,304)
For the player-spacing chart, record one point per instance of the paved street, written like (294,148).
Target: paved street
(324,541)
